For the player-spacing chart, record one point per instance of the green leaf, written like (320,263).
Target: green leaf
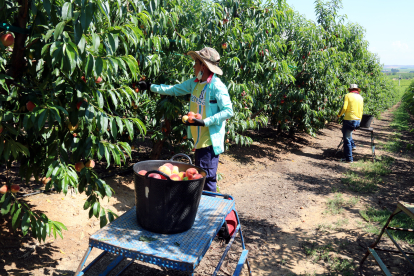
(71,55)
(5,207)
(98,66)
(110,216)
(42,118)
(107,157)
(108,190)
(99,98)
(114,129)
(67,11)
(147,239)
(59,29)
(47,6)
(96,41)
(103,220)
(25,222)
(60,225)
(90,64)
(15,220)
(96,208)
(86,16)
(3,198)
(120,125)
(130,128)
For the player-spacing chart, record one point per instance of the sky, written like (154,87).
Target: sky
(389,25)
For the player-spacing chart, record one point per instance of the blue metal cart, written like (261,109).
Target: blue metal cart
(182,251)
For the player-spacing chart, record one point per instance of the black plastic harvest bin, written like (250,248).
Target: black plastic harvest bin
(166,206)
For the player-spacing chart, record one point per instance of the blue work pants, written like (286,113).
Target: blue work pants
(208,161)
(347,127)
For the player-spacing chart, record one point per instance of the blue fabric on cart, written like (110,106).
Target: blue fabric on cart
(181,251)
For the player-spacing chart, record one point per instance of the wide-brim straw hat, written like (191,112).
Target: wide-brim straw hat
(209,57)
(354,86)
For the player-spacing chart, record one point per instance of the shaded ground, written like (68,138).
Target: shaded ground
(281,187)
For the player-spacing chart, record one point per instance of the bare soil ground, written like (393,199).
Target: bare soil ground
(281,188)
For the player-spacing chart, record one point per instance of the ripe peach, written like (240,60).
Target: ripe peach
(1,128)
(190,119)
(4,189)
(198,116)
(175,170)
(169,165)
(191,171)
(185,118)
(197,176)
(165,169)
(224,46)
(84,79)
(155,175)
(30,106)
(79,166)
(175,177)
(90,164)
(136,90)
(182,175)
(46,180)
(191,114)
(7,40)
(142,172)
(75,134)
(98,80)
(14,188)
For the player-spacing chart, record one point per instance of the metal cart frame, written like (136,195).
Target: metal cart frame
(408,209)
(182,251)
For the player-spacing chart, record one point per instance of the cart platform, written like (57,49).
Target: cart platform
(182,251)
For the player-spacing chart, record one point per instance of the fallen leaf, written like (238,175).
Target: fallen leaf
(48,201)
(147,239)
(82,235)
(63,198)
(61,251)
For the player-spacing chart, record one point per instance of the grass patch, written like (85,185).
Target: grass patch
(400,122)
(335,205)
(377,219)
(335,225)
(365,176)
(338,266)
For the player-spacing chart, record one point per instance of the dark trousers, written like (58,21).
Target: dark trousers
(347,128)
(208,161)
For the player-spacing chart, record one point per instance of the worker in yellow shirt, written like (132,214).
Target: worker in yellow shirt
(353,108)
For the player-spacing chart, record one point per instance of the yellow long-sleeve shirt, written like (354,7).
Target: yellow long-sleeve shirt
(353,107)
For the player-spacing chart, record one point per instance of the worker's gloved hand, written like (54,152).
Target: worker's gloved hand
(196,122)
(144,85)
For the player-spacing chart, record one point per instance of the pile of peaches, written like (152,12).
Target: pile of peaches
(174,173)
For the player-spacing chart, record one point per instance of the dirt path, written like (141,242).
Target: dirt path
(281,187)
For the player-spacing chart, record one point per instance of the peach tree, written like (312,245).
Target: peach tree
(66,100)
